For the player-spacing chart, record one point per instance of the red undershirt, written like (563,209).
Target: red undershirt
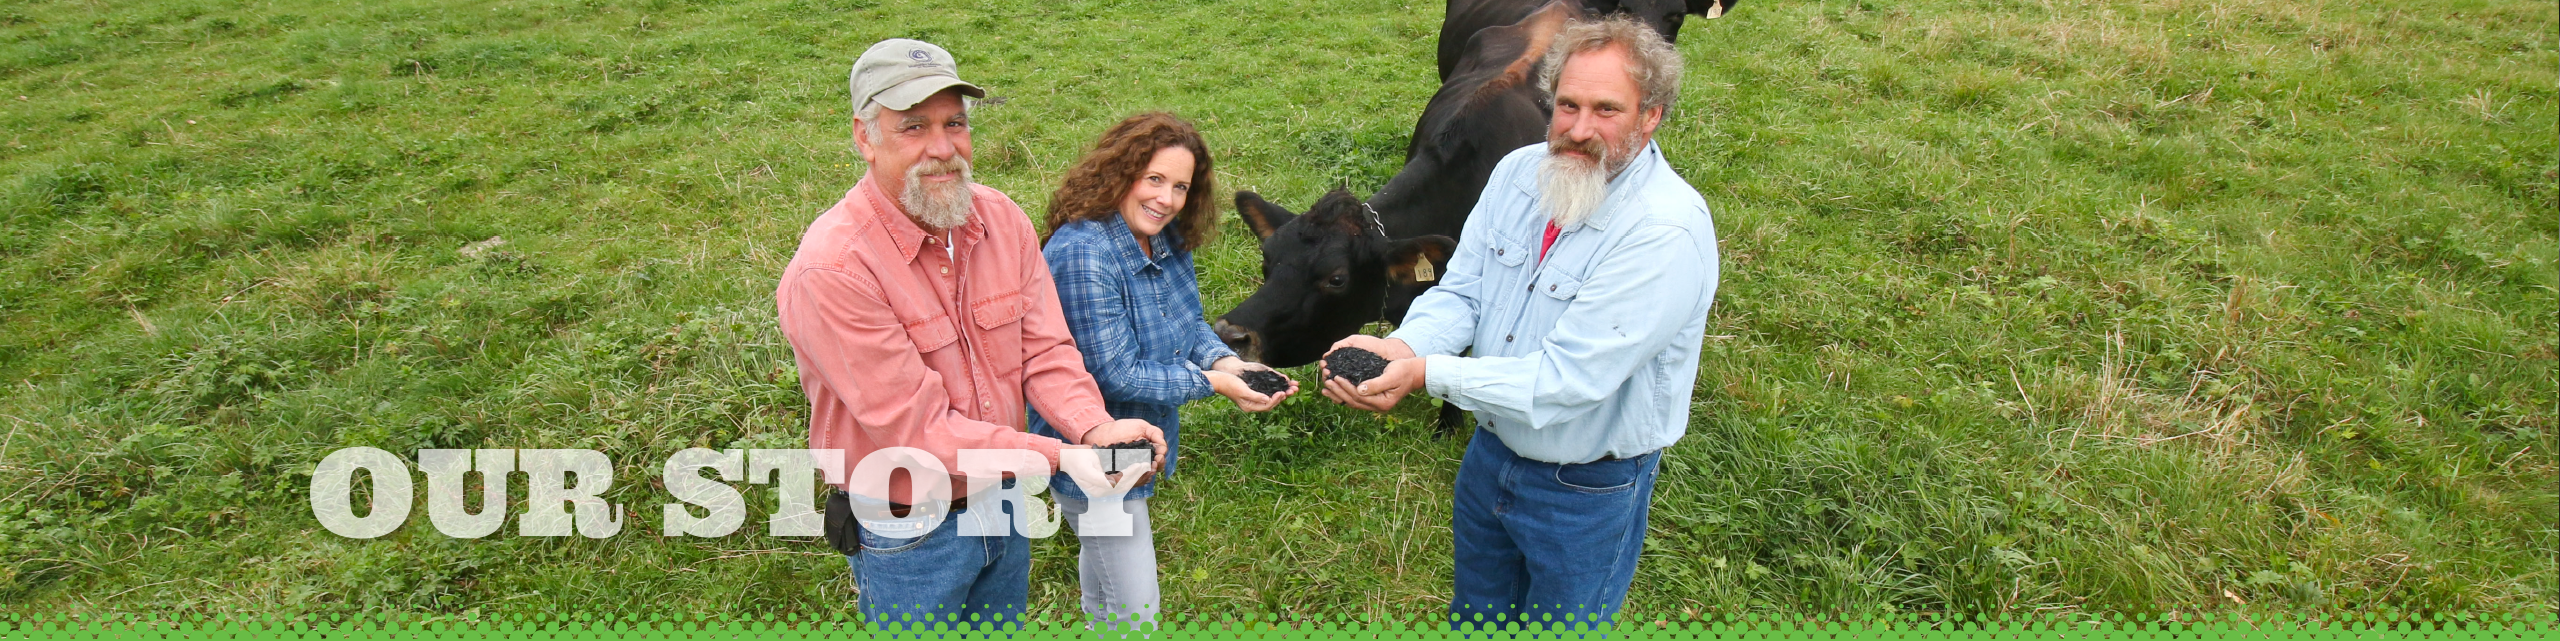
(1551,241)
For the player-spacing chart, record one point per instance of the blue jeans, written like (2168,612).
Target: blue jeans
(1537,540)
(981,578)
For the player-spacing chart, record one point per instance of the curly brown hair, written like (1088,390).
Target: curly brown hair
(1098,183)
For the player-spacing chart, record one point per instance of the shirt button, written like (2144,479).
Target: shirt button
(1551,288)
(946,269)
(1497,252)
(1506,338)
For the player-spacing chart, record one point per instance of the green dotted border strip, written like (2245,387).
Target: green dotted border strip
(1268,627)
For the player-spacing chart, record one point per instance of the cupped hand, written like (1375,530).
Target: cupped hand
(1379,394)
(1083,463)
(1230,383)
(1392,349)
(1126,430)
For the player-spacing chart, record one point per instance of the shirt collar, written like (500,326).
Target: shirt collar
(1637,173)
(1629,181)
(903,232)
(1127,242)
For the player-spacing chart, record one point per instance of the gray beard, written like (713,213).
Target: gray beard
(938,207)
(1573,187)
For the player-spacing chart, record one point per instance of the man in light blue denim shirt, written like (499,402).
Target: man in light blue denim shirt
(1582,282)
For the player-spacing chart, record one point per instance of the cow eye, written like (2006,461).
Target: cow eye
(1337,281)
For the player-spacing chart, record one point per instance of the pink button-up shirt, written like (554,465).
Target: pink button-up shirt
(900,345)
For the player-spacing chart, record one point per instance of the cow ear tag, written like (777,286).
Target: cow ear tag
(1422,270)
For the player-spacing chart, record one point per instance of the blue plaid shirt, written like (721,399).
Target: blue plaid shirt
(1139,325)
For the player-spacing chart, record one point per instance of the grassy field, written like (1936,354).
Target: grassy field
(2028,306)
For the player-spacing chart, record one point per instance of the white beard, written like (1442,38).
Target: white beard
(1573,187)
(942,206)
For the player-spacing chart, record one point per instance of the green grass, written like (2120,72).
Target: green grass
(2097,306)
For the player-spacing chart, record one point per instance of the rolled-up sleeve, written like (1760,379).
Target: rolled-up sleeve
(1620,318)
(1092,294)
(1207,348)
(843,334)
(1056,375)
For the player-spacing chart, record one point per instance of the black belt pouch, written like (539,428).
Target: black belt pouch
(841,524)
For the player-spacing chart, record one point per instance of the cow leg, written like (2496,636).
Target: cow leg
(1452,420)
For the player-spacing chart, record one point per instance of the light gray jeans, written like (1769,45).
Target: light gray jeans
(1118,573)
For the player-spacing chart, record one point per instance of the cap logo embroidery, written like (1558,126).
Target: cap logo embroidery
(919,55)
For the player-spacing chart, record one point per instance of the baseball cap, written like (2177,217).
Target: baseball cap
(900,72)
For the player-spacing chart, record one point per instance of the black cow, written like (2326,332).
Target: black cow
(1339,271)
(1347,263)
(1464,18)
(1489,106)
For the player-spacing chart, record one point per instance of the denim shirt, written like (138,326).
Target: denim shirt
(1593,351)
(1139,325)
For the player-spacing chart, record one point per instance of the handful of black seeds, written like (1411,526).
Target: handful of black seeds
(1265,382)
(1116,458)
(1355,364)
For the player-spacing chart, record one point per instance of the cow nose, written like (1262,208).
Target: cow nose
(1247,343)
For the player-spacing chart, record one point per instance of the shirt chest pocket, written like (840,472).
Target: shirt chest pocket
(1557,286)
(1509,253)
(930,334)
(999,321)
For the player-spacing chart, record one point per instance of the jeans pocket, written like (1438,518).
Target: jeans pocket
(874,543)
(1601,477)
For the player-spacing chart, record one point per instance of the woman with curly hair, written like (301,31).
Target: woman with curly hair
(1121,233)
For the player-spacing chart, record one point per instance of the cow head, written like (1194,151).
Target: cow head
(1324,275)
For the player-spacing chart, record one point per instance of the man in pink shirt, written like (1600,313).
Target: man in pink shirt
(922,317)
